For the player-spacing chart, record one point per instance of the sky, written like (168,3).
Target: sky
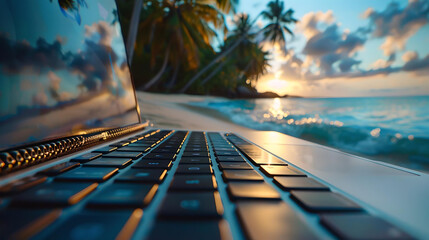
(349,48)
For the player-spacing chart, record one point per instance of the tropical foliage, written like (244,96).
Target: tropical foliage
(178,47)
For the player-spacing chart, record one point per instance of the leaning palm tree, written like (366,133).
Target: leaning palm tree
(274,31)
(177,30)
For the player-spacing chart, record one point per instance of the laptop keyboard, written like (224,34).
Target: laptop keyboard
(220,187)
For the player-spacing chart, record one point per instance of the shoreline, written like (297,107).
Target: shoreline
(176,111)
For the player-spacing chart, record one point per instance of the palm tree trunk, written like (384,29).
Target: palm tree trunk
(173,79)
(207,67)
(158,76)
(214,72)
(134,25)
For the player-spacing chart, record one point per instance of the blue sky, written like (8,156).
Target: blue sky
(383,62)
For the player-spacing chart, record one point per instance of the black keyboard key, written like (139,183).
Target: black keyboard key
(55,194)
(90,174)
(58,169)
(235,166)
(361,226)
(195,154)
(323,201)
(87,157)
(272,220)
(230,159)
(25,223)
(189,205)
(299,183)
(195,160)
(129,195)
(252,190)
(196,149)
(106,149)
(227,153)
(140,145)
(146,163)
(194,169)
(133,149)
(109,162)
(193,183)
(99,225)
(160,156)
(187,230)
(281,171)
(21,184)
(116,154)
(120,144)
(242,175)
(265,158)
(142,175)
(170,150)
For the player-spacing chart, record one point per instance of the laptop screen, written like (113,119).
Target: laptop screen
(63,70)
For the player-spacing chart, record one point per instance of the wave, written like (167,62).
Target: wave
(341,131)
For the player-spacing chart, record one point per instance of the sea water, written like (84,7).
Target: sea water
(393,129)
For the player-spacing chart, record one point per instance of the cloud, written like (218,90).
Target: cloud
(22,57)
(397,24)
(102,30)
(417,66)
(409,55)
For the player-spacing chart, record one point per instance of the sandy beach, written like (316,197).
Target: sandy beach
(173,111)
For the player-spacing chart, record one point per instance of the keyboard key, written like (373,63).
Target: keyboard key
(272,220)
(195,154)
(87,157)
(99,225)
(242,175)
(250,190)
(235,165)
(194,169)
(21,184)
(25,223)
(95,174)
(133,149)
(323,201)
(188,205)
(116,154)
(120,144)
(186,230)
(161,149)
(361,226)
(261,157)
(298,183)
(58,169)
(196,149)
(55,194)
(230,159)
(140,145)
(281,171)
(106,149)
(142,176)
(145,163)
(195,160)
(109,162)
(227,153)
(128,195)
(193,183)
(160,156)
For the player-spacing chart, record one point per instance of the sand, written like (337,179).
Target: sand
(173,111)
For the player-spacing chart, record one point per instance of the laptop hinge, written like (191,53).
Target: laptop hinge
(20,158)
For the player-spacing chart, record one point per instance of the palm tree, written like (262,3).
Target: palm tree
(177,31)
(274,31)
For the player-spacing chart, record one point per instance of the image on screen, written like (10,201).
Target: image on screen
(63,70)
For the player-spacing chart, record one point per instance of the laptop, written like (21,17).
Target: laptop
(78,161)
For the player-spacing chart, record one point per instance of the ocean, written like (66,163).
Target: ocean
(390,129)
